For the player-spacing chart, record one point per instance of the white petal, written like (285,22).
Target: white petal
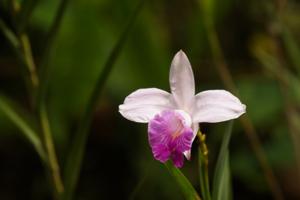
(217,106)
(195,128)
(182,81)
(143,104)
(187,154)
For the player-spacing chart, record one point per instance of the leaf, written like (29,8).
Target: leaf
(44,64)
(10,109)
(188,190)
(223,191)
(27,8)
(10,36)
(292,48)
(207,8)
(75,156)
(272,64)
(221,181)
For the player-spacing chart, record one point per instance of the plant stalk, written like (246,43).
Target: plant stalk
(203,164)
(52,159)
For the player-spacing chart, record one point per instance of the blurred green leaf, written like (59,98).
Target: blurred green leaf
(221,182)
(10,109)
(272,64)
(186,187)
(224,190)
(27,7)
(264,95)
(10,36)
(292,48)
(44,65)
(208,11)
(75,156)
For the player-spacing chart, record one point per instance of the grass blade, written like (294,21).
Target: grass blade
(44,64)
(10,36)
(10,110)
(221,182)
(50,149)
(223,190)
(188,190)
(292,48)
(75,156)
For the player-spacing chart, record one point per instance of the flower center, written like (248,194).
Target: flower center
(170,135)
(181,120)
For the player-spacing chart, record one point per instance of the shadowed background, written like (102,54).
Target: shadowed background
(259,42)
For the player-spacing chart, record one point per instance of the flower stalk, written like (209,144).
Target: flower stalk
(52,159)
(25,51)
(29,62)
(203,165)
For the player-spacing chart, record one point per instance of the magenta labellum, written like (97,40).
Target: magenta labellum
(170,135)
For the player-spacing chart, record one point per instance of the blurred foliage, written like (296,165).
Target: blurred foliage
(260,40)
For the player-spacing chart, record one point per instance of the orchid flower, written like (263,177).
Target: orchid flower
(173,118)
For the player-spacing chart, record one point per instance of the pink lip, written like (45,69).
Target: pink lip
(169,137)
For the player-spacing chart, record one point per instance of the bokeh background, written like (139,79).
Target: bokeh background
(259,42)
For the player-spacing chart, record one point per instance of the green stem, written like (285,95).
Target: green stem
(26,47)
(203,165)
(54,167)
(184,184)
(16,46)
(22,47)
(43,116)
(41,100)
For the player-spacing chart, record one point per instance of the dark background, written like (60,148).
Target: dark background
(118,162)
